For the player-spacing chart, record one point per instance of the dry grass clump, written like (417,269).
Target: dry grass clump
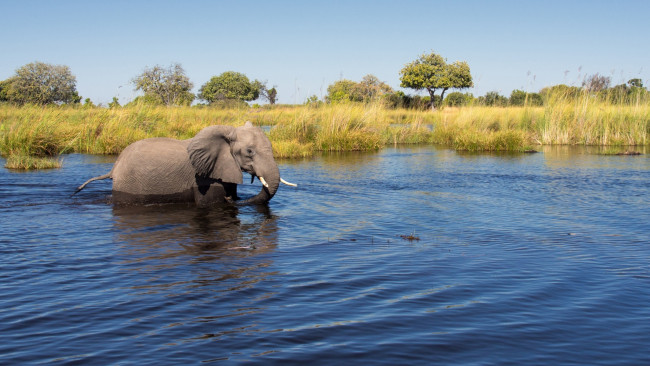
(27,162)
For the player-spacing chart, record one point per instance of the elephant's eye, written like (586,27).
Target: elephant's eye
(250,152)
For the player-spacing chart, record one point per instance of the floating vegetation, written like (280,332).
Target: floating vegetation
(410,237)
(619,152)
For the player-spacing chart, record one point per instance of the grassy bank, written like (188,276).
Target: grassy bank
(43,133)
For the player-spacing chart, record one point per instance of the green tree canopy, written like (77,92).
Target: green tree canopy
(41,83)
(342,90)
(5,85)
(169,86)
(521,98)
(559,91)
(368,89)
(493,98)
(431,72)
(457,99)
(230,85)
(636,83)
(272,95)
(267,94)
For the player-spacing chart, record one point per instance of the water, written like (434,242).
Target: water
(521,259)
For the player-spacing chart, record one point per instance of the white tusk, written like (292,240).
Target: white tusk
(264,182)
(287,183)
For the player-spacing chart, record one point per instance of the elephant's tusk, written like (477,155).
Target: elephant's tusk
(264,182)
(287,183)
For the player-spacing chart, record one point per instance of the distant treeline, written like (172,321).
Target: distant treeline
(631,93)
(42,84)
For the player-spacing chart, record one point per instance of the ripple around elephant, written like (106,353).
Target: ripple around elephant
(204,169)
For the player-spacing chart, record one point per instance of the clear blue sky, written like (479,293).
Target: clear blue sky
(303,46)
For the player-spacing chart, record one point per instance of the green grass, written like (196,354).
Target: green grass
(26,162)
(300,131)
(619,150)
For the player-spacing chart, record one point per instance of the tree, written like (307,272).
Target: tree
(368,89)
(596,83)
(267,94)
(41,83)
(635,83)
(272,95)
(5,85)
(168,86)
(313,101)
(459,77)
(457,99)
(493,98)
(521,98)
(431,72)
(230,85)
(89,103)
(114,104)
(560,91)
(342,90)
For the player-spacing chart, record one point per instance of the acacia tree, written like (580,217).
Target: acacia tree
(230,85)
(169,86)
(41,83)
(431,72)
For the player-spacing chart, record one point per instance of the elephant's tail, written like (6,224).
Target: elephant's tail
(105,176)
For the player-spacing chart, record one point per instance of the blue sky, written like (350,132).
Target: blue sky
(303,46)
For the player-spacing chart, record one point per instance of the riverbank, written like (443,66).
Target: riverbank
(35,133)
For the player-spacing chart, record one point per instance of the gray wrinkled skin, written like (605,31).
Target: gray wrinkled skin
(205,169)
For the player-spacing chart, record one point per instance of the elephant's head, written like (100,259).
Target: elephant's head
(224,152)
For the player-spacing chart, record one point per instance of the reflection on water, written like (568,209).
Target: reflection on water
(522,258)
(205,229)
(166,238)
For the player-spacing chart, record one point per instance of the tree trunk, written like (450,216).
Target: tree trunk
(431,94)
(442,96)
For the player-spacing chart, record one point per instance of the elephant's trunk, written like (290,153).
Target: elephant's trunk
(270,178)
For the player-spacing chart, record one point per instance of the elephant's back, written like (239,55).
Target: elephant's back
(157,166)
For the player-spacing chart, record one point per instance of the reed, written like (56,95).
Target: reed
(299,131)
(588,120)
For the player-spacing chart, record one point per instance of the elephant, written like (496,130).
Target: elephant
(205,169)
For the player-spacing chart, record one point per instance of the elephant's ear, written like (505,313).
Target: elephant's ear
(210,154)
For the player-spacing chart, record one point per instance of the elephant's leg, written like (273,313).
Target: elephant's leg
(209,192)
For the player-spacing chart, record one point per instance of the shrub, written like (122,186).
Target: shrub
(457,99)
(522,98)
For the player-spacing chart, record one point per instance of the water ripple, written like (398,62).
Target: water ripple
(513,259)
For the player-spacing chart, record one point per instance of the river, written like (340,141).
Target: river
(409,255)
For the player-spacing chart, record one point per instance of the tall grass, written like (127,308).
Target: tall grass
(299,131)
(586,120)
